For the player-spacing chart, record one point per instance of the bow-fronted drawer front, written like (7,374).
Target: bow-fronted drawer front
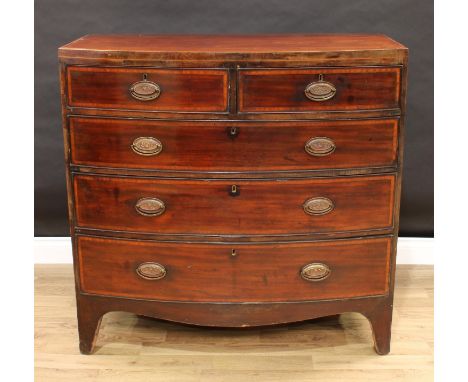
(318,89)
(233,145)
(257,272)
(144,89)
(237,207)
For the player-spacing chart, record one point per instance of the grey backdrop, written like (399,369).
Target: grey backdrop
(410,22)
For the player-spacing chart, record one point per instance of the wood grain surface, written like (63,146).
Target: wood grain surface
(233,146)
(232,43)
(282,90)
(194,90)
(206,206)
(208,272)
(147,49)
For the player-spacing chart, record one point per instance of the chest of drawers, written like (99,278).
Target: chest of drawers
(234,181)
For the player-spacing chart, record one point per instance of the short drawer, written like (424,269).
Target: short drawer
(256,207)
(178,90)
(234,273)
(233,146)
(318,89)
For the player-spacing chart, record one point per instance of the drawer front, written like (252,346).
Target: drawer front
(303,90)
(178,90)
(233,146)
(208,272)
(234,207)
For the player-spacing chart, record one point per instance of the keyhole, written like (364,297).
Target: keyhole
(233,132)
(233,253)
(234,190)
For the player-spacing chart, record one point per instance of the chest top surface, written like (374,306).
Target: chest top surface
(232,47)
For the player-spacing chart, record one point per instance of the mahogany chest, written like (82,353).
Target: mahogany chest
(234,181)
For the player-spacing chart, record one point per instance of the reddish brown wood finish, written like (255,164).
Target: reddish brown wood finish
(282,90)
(261,208)
(209,273)
(194,90)
(378,311)
(267,116)
(222,44)
(253,146)
(370,71)
(150,49)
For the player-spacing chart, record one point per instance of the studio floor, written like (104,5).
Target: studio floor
(331,349)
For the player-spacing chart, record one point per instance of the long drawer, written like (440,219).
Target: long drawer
(242,273)
(234,207)
(181,90)
(318,89)
(234,145)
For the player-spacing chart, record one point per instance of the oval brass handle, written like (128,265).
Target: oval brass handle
(320,90)
(320,146)
(318,206)
(147,146)
(150,207)
(151,271)
(145,90)
(315,272)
